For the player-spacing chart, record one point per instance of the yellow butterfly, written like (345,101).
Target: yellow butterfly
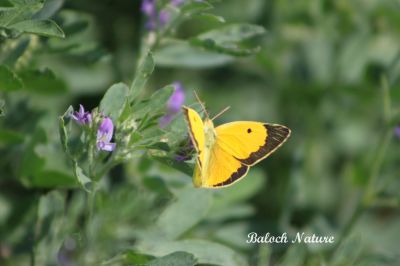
(225,153)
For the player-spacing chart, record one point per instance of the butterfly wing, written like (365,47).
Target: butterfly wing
(221,170)
(196,133)
(250,142)
(196,128)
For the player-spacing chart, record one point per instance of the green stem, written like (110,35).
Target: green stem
(91,158)
(91,204)
(371,191)
(386,100)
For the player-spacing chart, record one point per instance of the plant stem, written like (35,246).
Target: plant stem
(370,191)
(90,158)
(386,100)
(91,204)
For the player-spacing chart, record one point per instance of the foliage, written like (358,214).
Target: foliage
(109,184)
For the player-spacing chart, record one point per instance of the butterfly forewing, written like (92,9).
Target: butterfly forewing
(196,131)
(250,142)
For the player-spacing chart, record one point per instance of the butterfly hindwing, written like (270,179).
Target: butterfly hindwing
(250,142)
(222,168)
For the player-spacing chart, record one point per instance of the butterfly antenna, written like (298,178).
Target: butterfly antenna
(201,104)
(220,113)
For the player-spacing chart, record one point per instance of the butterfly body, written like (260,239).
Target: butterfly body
(225,153)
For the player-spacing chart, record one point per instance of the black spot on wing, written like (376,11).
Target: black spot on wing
(249,130)
(276,136)
(235,176)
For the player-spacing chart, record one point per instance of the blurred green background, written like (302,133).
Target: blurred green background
(326,69)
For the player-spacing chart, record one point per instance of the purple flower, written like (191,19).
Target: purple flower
(177,99)
(163,17)
(154,18)
(177,2)
(397,131)
(82,117)
(174,104)
(148,7)
(104,135)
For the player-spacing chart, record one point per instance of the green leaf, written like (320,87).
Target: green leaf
(46,28)
(227,39)
(232,33)
(9,81)
(156,103)
(182,214)
(225,48)
(178,258)
(237,211)
(24,17)
(151,136)
(11,56)
(206,252)
(211,17)
(10,137)
(181,54)
(233,234)
(191,8)
(42,82)
(184,167)
(21,10)
(142,74)
(85,182)
(49,9)
(63,121)
(162,146)
(182,13)
(53,179)
(137,258)
(113,102)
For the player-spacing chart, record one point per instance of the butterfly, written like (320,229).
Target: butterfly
(225,153)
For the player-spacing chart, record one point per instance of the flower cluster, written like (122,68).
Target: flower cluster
(104,132)
(157,18)
(174,104)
